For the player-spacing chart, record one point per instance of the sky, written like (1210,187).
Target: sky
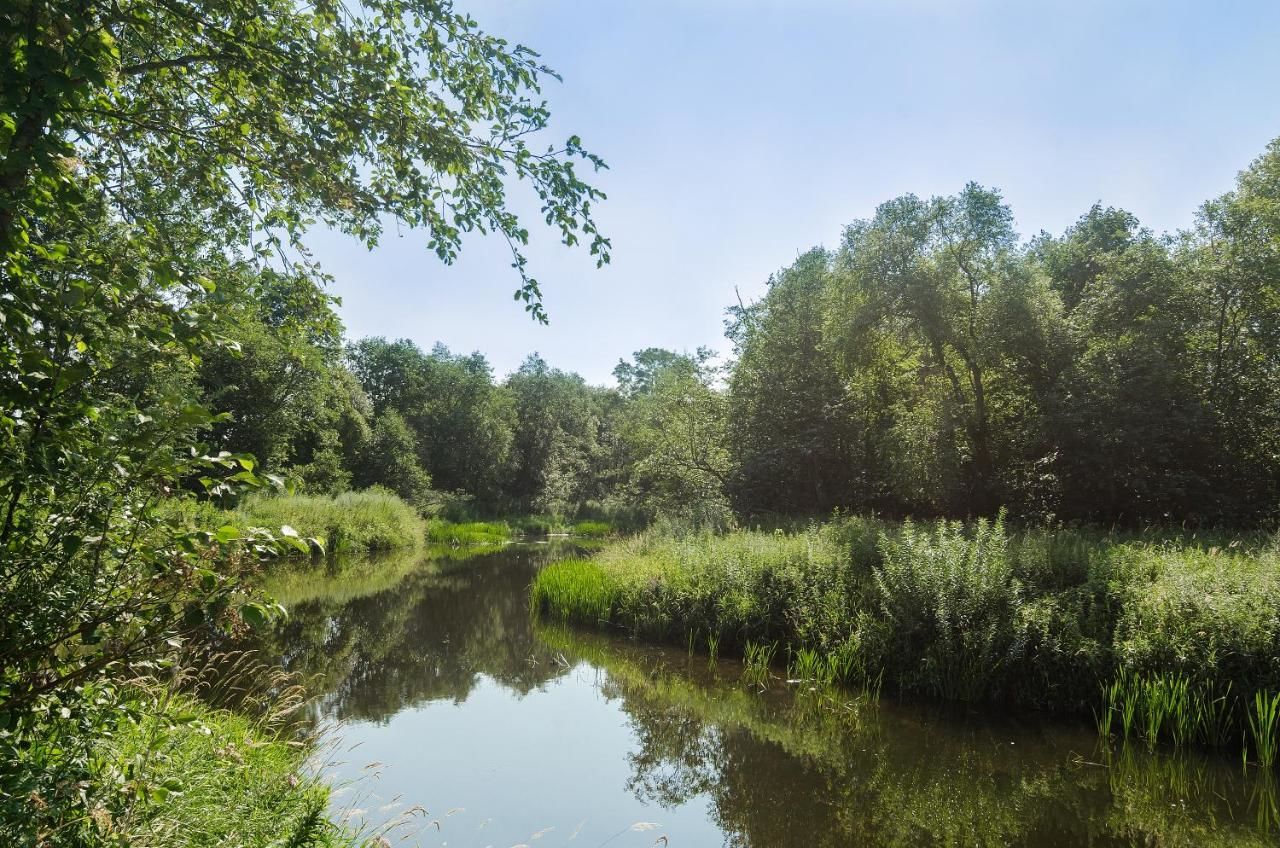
(740,133)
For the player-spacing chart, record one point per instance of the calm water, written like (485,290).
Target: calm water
(510,733)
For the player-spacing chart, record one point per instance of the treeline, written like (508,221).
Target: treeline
(436,427)
(931,364)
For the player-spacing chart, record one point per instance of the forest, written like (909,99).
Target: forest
(932,364)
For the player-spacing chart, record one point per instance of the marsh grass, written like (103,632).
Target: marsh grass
(355,522)
(757,662)
(509,529)
(1175,623)
(574,590)
(1264,727)
(592,529)
(468,533)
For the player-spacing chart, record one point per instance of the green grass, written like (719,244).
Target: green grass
(203,777)
(444,532)
(1169,627)
(468,533)
(354,522)
(574,590)
(592,529)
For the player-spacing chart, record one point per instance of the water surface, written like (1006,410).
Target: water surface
(507,732)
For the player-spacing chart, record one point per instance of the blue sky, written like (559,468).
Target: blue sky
(742,132)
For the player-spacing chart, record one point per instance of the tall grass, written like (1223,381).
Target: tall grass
(1168,627)
(444,532)
(468,533)
(356,522)
(211,777)
(574,590)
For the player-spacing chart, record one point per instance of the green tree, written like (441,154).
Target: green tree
(556,445)
(795,433)
(676,440)
(462,422)
(150,151)
(390,458)
(914,318)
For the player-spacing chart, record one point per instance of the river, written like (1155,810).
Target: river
(456,719)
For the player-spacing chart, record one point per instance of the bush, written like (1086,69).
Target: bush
(950,603)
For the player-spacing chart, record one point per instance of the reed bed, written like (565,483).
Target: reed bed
(469,533)
(353,522)
(1171,628)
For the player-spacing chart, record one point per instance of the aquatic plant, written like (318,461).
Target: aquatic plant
(574,590)
(1264,727)
(756,661)
(592,529)
(468,533)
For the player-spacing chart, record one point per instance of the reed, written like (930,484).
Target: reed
(757,658)
(574,590)
(468,533)
(1264,727)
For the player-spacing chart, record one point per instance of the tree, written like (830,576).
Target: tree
(1233,257)
(676,439)
(256,118)
(461,421)
(912,303)
(554,455)
(795,432)
(151,154)
(390,458)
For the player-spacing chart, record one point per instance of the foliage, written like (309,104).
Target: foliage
(353,522)
(674,432)
(160,164)
(390,459)
(949,600)
(961,611)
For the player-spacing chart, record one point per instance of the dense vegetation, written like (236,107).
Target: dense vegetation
(161,162)
(167,336)
(807,770)
(929,365)
(1188,627)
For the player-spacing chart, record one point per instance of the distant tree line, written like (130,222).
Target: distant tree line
(930,364)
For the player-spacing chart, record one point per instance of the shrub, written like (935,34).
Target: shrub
(950,601)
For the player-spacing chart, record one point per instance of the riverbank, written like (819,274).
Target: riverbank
(171,770)
(364,522)
(498,531)
(974,613)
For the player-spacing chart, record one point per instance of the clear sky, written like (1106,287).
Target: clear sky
(741,132)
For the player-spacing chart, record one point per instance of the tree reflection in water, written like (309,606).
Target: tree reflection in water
(778,768)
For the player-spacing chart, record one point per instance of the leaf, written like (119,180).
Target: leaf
(254,615)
